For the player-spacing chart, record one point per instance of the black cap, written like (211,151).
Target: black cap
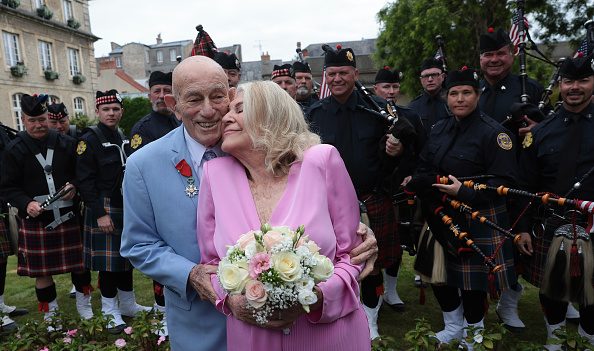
(431,63)
(158,77)
(339,57)
(57,111)
(465,76)
(301,67)
(284,70)
(493,40)
(108,97)
(384,75)
(227,61)
(35,105)
(578,67)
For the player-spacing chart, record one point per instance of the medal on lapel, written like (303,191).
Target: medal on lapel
(185,170)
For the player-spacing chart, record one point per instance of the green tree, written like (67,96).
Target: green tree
(82,121)
(560,19)
(134,110)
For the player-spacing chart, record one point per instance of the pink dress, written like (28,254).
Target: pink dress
(320,195)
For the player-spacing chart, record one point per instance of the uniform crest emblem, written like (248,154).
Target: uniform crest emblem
(475,76)
(136,141)
(504,141)
(527,140)
(349,56)
(81,147)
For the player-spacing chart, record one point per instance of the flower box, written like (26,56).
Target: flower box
(18,70)
(78,79)
(44,12)
(72,23)
(11,3)
(51,75)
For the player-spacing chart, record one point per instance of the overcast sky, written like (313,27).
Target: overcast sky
(275,26)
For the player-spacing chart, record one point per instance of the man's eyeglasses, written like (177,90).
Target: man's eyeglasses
(430,75)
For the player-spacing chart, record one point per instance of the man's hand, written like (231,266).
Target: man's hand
(529,125)
(393,146)
(450,189)
(524,244)
(200,280)
(70,192)
(238,305)
(105,224)
(34,209)
(366,251)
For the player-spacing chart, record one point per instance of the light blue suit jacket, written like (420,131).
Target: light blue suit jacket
(159,238)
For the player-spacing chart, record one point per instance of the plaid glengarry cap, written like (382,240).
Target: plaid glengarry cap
(34,105)
(339,57)
(385,75)
(108,97)
(465,76)
(284,70)
(57,111)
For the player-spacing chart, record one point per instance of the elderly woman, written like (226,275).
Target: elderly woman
(280,174)
(468,144)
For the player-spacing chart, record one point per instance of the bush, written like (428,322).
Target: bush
(134,110)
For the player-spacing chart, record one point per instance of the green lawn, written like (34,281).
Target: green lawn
(20,291)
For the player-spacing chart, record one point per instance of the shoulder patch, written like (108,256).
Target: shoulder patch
(81,147)
(527,140)
(504,141)
(136,141)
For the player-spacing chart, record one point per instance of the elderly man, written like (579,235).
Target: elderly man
(157,238)
(430,105)
(58,119)
(304,80)
(559,160)
(284,77)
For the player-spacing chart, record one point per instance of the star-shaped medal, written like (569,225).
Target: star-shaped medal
(191,189)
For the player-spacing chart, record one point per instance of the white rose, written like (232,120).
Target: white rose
(302,251)
(323,269)
(305,284)
(307,298)
(312,246)
(287,265)
(251,249)
(233,276)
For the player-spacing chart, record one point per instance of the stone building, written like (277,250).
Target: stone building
(47,47)
(111,77)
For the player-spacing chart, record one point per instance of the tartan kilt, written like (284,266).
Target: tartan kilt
(5,249)
(468,271)
(533,267)
(45,252)
(382,221)
(102,250)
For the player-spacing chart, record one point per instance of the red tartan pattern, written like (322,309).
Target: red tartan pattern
(383,223)
(49,252)
(102,250)
(5,249)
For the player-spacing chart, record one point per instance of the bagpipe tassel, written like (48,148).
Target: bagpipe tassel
(555,280)
(575,269)
(493,292)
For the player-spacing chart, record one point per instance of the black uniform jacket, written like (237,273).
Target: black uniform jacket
(359,136)
(99,169)
(150,128)
(22,177)
(431,109)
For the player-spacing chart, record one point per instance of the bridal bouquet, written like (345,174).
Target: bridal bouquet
(275,268)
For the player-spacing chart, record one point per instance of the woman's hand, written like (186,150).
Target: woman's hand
(450,189)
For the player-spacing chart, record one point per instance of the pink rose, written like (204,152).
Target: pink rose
(272,238)
(304,239)
(44,349)
(67,340)
(72,332)
(255,293)
(119,343)
(160,341)
(128,330)
(246,239)
(258,264)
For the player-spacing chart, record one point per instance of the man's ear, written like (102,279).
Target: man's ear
(170,101)
(232,92)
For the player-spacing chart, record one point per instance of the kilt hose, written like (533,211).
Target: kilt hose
(5,249)
(102,250)
(382,221)
(468,271)
(45,252)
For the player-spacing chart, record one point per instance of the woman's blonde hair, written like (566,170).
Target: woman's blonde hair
(275,123)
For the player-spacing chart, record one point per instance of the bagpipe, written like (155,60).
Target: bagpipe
(203,45)
(63,191)
(440,54)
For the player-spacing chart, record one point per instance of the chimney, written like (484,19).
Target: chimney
(265,57)
(159,40)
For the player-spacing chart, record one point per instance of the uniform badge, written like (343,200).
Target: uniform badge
(81,147)
(475,76)
(136,141)
(349,56)
(504,141)
(527,140)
